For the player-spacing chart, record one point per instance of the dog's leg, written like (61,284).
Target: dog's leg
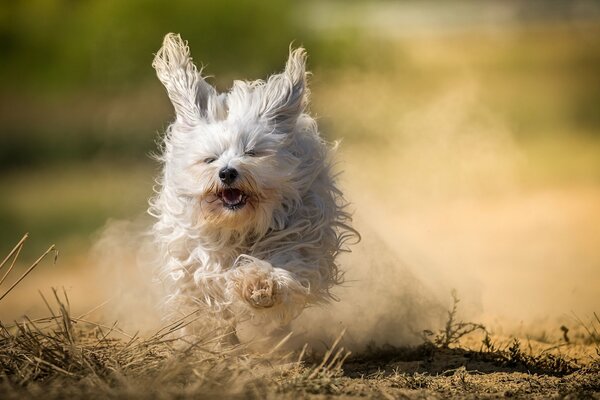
(266,289)
(253,281)
(260,291)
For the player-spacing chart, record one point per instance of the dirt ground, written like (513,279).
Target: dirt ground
(150,369)
(475,380)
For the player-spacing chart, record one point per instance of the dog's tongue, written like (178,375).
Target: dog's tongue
(232,196)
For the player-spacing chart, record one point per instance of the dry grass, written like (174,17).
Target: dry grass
(63,355)
(453,330)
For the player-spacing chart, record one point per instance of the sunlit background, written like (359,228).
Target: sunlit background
(470,130)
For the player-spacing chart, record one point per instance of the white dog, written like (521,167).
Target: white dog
(249,217)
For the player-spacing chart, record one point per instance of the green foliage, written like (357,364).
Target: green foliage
(110,43)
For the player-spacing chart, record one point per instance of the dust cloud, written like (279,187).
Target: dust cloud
(440,206)
(453,150)
(124,263)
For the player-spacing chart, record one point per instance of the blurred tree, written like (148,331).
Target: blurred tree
(65,44)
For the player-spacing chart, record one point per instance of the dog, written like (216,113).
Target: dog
(249,217)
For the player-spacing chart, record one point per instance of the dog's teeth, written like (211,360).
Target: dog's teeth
(232,197)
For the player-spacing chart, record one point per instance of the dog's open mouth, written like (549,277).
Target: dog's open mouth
(233,199)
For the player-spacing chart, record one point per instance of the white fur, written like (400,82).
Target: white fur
(276,255)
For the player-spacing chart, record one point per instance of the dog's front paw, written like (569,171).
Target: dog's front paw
(260,292)
(253,282)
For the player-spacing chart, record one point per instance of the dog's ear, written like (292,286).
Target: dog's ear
(285,95)
(187,89)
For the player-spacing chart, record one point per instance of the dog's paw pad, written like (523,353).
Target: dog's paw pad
(261,294)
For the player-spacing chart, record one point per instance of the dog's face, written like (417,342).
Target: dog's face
(235,170)
(229,153)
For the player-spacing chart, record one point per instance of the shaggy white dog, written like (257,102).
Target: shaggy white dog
(249,217)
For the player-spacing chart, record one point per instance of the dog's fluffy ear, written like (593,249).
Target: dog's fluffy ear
(285,95)
(190,94)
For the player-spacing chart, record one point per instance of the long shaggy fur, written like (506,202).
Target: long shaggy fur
(276,254)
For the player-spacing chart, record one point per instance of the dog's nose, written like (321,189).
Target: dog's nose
(228,175)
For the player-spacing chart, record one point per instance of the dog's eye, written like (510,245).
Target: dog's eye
(250,153)
(209,160)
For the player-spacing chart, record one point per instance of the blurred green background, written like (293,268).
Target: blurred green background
(81,110)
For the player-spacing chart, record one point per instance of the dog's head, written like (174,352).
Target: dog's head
(230,153)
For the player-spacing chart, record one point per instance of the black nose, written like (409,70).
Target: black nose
(228,175)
